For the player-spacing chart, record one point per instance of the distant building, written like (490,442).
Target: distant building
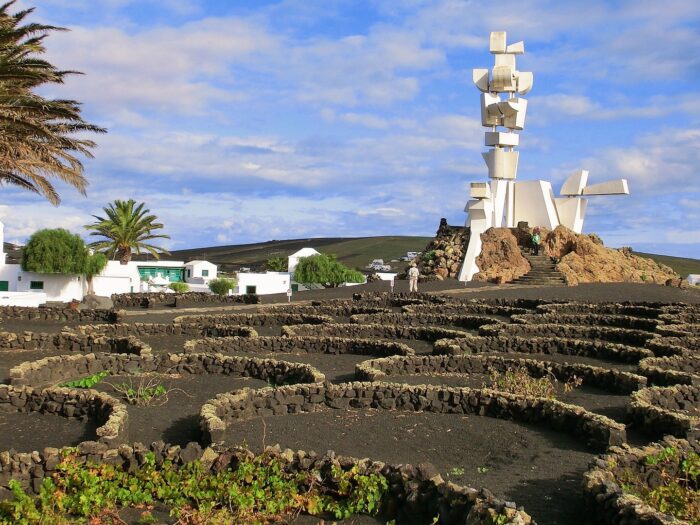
(21,288)
(694,279)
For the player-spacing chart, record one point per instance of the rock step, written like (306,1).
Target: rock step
(543,272)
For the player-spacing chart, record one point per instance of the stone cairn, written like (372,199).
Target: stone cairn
(443,256)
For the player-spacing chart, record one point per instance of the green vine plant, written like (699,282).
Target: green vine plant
(256,490)
(86,382)
(678,492)
(518,380)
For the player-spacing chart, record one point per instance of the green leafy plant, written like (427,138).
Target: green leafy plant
(179,287)
(277,264)
(86,382)
(324,269)
(456,471)
(429,256)
(257,490)
(678,492)
(221,285)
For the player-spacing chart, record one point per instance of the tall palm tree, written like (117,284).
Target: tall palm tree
(125,227)
(37,135)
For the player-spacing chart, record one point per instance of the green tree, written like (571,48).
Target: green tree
(125,228)
(324,269)
(277,264)
(221,285)
(37,135)
(59,251)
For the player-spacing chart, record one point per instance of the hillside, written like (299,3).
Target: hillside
(681,265)
(353,252)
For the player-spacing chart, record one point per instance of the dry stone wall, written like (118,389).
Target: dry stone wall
(617,321)
(158,329)
(364,331)
(603,378)
(671,370)
(258,319)
(68,341)
(52,370)
(469,322)
(311,345)
(48,313)
(188,299)
(612,335)
(541,345)
(667,410)
(598,431)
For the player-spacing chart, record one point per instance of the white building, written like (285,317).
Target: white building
(694,279)
(264,283)
(21,288)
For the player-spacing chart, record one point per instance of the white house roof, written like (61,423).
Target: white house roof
(198,261)
(305,252)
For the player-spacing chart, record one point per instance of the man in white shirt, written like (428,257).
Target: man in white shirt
(413,274)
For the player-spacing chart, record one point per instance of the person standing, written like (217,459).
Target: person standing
(536,241)
(413,274)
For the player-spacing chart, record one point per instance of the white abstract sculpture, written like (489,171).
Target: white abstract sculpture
(503,202)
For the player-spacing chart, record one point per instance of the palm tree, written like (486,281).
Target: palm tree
(125,228)
(37,139)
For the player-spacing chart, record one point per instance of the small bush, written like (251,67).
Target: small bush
(221,285)
(180,287)
(519,381)
(677,492)
(324,269)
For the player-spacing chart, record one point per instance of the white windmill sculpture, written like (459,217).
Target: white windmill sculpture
(503,202)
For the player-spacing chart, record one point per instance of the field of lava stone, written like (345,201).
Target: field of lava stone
(486,411)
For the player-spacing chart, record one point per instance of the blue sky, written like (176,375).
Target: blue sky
(249,121)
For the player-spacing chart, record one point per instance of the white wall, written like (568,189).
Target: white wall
(265,283)
(195,268)
(33,299)
(694,278)
(57,287)
(293,260)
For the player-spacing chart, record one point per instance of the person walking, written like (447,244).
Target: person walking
(413,274)
(536,241)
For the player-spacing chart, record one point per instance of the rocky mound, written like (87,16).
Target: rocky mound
(443,256)
(584,259)
(501,259)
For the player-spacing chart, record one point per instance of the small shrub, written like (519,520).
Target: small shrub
(518,381)
(221,286)
(429,256)
(145,392)
(180,287)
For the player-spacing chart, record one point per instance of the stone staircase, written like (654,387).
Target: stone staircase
(543,272)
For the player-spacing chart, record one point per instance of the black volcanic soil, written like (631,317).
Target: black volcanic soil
(26,432)
(176,421)
(528,464)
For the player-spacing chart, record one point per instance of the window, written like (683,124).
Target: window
(251,289)
(205,273)
(36,285)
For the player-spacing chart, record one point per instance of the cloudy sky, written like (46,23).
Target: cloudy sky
(251,120)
